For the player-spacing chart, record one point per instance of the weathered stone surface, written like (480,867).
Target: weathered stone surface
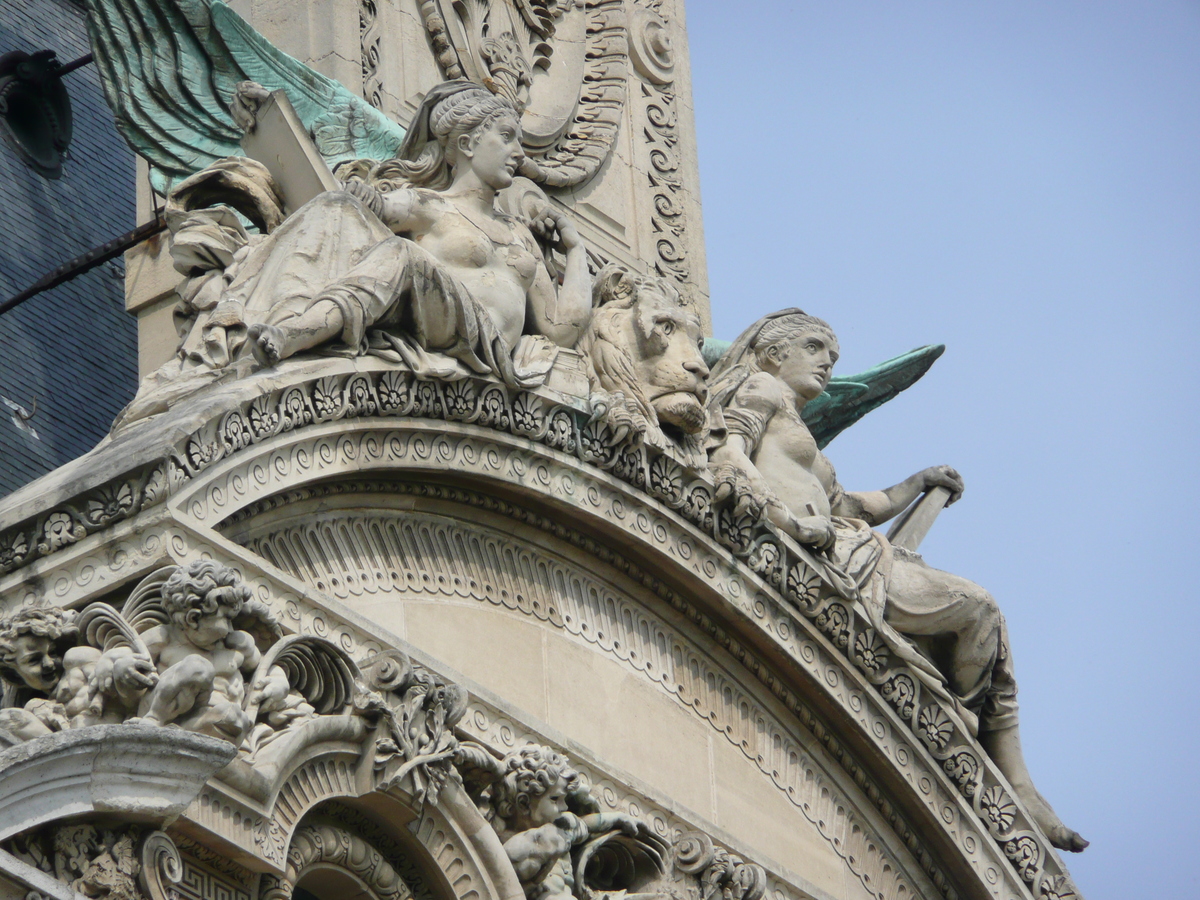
(761,386)
(664,691)
(136,771)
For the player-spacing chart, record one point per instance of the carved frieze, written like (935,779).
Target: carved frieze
(286,414)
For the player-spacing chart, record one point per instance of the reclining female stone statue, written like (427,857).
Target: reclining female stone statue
(412,262)
(759,388)
(428,263)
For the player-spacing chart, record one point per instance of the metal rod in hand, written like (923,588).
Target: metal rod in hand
(914,523)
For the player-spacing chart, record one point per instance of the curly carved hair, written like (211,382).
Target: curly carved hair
(529,773)
(203,585)
(57,625)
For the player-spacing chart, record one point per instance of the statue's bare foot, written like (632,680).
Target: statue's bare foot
(1064,838)
(1047,819)
(266,341)
(1004,747)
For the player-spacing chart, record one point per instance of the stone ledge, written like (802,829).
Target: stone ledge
(144,772)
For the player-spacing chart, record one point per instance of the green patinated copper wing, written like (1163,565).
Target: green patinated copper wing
(848,398)
(170,70)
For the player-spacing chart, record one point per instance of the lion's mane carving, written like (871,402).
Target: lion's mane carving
(647,373)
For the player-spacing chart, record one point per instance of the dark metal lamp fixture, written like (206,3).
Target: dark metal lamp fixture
(35,109)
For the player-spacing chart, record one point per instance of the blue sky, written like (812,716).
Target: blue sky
(1021,182)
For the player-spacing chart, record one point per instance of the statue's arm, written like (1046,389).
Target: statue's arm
(243,643)
(401,209)
(532,851)
(876,507)
(562,315)
(747,417)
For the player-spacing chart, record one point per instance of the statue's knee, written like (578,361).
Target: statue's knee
(194,672)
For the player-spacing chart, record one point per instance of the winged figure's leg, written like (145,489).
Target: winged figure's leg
(965,625)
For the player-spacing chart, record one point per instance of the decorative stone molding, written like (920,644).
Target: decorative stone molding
(123,862)
(775,585)
(583,606)
(370,35)
(659,101)
(330,846)
(719,872)
(140,770)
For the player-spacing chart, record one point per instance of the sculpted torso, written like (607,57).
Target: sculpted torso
(228,658)
(788,458)
(491,256)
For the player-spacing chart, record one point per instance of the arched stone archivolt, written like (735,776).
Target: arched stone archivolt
(452,853)
(740,609)
(350,541)
(328,859)
(539,479)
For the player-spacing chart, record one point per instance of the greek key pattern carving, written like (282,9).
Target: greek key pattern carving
(781,580)
(208,874)
(199,882)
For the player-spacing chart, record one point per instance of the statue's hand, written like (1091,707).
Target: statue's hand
(246,104)
(628,825)
(556,228)
(365,194)
(942,476)
(133,674)
(814,531)
(270,691)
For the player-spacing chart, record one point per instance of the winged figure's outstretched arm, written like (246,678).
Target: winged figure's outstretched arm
(170,70)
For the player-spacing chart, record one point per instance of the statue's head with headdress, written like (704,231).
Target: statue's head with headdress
(452,116)
(765,344)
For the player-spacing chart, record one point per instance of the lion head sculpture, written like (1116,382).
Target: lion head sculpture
(646,369)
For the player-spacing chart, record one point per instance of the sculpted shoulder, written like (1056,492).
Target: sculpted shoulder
(759,393)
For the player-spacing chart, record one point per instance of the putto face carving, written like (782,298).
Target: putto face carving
(645,345)
(32,643)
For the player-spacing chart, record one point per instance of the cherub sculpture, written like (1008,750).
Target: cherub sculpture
(39,656)
(543,811)
(646,363)
(760,388)
(199,661)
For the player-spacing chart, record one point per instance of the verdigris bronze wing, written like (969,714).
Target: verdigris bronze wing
(848,398)
(342,125)
(170,70)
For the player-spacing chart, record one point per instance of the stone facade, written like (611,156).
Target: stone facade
(372,592)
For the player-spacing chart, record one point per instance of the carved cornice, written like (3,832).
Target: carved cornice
(550,449)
